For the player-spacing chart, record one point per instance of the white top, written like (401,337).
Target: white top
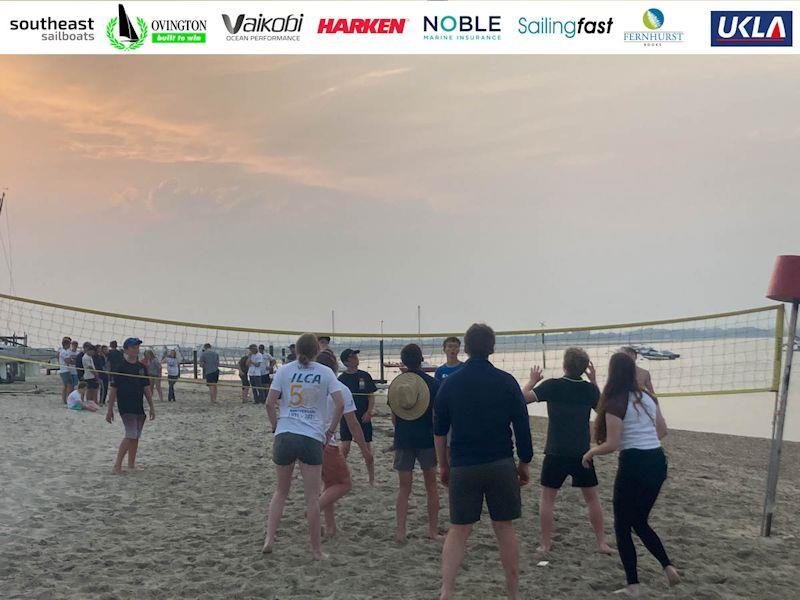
(304,398)
(266,361)
(73,355)
(349,407)
(173,367)
(88,363)
(254,370)
(63,355)
(74,399)
(639,424)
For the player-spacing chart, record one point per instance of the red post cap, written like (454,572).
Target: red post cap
(784,286)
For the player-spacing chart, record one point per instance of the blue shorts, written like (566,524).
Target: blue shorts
(70,379)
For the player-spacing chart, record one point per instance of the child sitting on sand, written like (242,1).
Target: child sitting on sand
(570,400)
(77,399)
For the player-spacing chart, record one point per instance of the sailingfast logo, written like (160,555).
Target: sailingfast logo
(246,28)
(568,28)
(362,26)
(751,28)
(123,35)
(462,28)
(653,19)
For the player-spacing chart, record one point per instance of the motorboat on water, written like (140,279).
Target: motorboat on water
(396,364)
(651,353)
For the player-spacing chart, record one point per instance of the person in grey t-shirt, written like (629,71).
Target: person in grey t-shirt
(209,360)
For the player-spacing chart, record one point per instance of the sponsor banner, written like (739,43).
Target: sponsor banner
(406,27)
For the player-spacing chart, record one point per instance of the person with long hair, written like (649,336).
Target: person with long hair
(154,371)
(299,394)
(630,420)
(336,478)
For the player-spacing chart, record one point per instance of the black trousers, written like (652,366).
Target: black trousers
(639,479)
(171,392)
(259,393)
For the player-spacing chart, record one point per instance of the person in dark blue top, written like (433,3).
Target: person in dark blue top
(480,405)
(411,400)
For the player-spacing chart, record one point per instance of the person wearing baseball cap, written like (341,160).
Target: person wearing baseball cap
(324,342)
(363,388)
(129,385)
(411,397)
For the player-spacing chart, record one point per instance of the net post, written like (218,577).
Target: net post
(779,420)
(194,362)
(271,350)
(380,351)
(780,317)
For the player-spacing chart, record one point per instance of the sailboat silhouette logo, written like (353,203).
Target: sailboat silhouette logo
(127,31)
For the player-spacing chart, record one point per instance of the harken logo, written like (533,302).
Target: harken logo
(362,26)
(751,28)
(129,37)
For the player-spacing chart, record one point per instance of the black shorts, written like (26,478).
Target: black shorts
(556,468)
(289,447)
(497,481)
(245,380)
(406,458)
(92,384)
(347,436)
(212,377)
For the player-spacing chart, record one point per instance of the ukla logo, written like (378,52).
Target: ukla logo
(133,40)
(751,28)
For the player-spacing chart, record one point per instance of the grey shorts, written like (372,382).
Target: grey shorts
(289,447)
(66,379)
(497,481)
(133,425)
(404,458)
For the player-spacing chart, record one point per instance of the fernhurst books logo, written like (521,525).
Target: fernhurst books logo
(653,18)
(123,35)
(568,28)
(469,28)
(758,28)
(362,26)
(656,34)
(247,28)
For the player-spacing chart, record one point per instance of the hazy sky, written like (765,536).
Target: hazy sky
(267,191)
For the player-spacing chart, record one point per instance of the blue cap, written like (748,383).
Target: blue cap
(131,342)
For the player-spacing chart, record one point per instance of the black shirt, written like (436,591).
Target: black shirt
(361,385)
(419,432)
(100,364)
(481,404)
(569,405)
(130,390)
(79,364)
(115,357)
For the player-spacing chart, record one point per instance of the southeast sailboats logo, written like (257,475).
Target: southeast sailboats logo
(127,32)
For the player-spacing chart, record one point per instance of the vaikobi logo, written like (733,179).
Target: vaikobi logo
(263,29)
(462,28)
(654,20)
(133,39)
(751,28)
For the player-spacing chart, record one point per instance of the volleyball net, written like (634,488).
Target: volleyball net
(724,353)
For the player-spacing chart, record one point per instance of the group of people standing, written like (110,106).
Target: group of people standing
(467,421)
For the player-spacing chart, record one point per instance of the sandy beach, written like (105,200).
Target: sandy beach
(189,522)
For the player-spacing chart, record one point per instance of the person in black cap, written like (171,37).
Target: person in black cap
(128,388)
(324,342)
(362,386)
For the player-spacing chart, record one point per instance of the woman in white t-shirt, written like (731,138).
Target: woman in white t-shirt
(630,420)
(173,373)
(299,394)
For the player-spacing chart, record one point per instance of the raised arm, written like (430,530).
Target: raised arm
(527,390)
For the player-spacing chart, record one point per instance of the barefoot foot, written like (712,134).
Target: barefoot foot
(672,576)
(544,548)
(268,544)
(629,590)
(320,556)
(606,549)
(434,535)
